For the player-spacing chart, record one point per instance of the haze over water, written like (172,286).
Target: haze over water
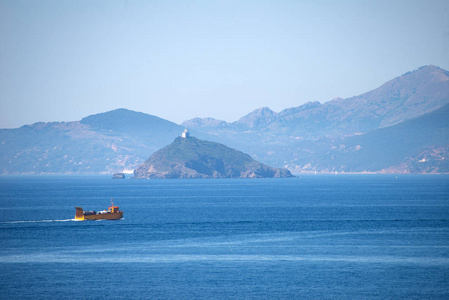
(345,236)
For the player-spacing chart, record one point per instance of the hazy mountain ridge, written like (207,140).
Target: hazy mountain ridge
(124,120)
(334,136)
(296,137)
(101,143)
(402,98)
(419,145)
(204,122)
(258,118)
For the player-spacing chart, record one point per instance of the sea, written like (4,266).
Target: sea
(310,237)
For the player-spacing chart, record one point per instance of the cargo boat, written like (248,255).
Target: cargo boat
(113,213)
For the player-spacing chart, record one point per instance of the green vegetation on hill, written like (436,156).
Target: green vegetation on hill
(194,158)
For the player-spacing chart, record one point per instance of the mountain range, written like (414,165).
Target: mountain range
(108,142)
(400,127)
(315,136)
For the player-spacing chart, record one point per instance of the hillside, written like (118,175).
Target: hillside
(104,143)
(402,98)
(419,145)
(124,120)
(294,137)
(194,158)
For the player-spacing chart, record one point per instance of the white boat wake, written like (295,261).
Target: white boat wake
(40,221)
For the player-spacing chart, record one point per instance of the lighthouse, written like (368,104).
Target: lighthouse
(185,134)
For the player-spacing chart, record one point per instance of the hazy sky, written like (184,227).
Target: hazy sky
(64,60)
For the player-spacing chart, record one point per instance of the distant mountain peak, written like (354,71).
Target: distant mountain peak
(429,72)
(115,113)
(294,110)
(203,122)
(430,67)
(264,111)
(407,96)
(123,119)
(257,118)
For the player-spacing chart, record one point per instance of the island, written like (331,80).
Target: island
(189,157)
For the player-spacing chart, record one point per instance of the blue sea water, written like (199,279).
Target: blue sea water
(314,237)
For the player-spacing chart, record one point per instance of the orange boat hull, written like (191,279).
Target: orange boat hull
(108,216)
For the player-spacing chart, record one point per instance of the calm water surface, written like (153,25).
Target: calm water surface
(315,237)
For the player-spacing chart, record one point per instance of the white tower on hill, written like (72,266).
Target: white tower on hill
(185,134)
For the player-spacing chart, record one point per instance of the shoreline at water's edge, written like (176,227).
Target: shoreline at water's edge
(297,175)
